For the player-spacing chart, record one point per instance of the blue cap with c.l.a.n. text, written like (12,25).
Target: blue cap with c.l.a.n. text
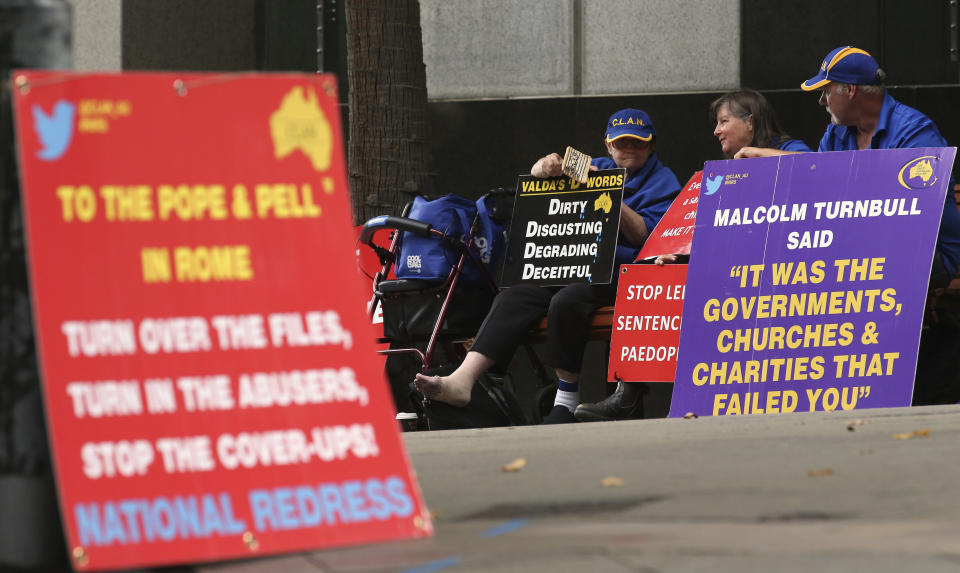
(630,123)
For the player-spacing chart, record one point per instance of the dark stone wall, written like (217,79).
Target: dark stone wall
(484,144)
(783,42)
(214,35)
(479,145)
(220,35)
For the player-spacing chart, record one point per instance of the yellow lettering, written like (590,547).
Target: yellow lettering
(723,341)
(773,399)
(192,202)
(127,203)
(861,365)
(711,310)
(220,263)
(698,374)
(876,269)
(719,401)
(93,125)
(734,407)
(888,299)
(841,265)
(736,374)
(285,201)
(155,265)
(789,403)
(77,202)
(816,368)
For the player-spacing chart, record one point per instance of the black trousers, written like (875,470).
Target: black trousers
(939,275)
(569,311)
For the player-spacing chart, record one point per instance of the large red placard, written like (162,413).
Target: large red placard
(206,360)
(645,334)
(674,233)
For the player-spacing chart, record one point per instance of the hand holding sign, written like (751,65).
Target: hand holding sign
(576,165)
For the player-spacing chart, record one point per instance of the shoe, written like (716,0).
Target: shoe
(559,415)
(612,407)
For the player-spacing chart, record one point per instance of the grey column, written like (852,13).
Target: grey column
(34,34)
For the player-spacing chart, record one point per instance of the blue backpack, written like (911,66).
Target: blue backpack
(430,259)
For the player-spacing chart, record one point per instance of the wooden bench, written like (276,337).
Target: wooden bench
(599,330)
(600,327)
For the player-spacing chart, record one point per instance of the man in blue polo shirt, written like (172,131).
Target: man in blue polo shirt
(864,116)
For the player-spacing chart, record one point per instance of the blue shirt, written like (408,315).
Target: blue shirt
(649,192)
(793,145)
(901,126)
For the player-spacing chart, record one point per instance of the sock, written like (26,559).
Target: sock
(568,395)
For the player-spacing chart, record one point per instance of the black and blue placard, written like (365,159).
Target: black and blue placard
(564,232)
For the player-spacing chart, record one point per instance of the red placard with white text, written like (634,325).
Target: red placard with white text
(205,355)
(646,323)
(674,233)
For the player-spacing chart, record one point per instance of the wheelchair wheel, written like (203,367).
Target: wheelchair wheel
(544,401)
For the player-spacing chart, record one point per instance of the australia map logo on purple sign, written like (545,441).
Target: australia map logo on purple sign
(807,281)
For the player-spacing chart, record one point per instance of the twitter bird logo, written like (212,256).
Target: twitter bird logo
(55,131)
(713,184)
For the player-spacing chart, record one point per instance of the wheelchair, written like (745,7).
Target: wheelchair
(431,324)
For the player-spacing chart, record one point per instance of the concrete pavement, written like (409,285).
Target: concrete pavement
(844,491)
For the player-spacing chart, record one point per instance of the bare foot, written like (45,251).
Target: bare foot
(446,389)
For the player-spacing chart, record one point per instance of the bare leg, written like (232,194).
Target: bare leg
(567,375)
(455,389)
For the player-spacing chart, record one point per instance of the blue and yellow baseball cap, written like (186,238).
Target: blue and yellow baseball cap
(847,65)
(630,123)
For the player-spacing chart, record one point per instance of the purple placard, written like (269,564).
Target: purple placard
(783,249)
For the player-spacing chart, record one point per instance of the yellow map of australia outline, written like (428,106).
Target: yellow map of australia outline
(299,124)
(604,203)
(923,170)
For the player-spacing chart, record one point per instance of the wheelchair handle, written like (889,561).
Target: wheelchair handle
(390,222)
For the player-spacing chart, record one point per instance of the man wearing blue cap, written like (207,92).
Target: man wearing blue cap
(864,116)
(648,190)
